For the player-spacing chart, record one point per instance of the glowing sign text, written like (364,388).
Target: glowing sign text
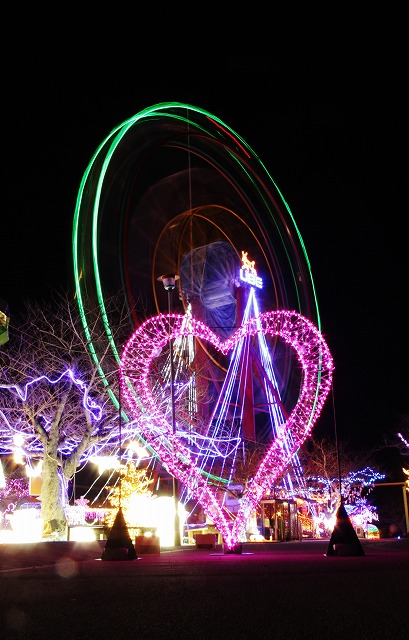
(248,272)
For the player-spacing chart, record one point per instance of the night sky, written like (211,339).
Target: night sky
(330,131)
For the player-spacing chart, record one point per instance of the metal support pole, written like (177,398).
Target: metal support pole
(169,284)
(172,395)
(337,449)
(405,504)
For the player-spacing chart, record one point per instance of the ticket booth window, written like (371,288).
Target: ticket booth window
(280,520)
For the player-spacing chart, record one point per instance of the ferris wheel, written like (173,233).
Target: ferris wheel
(175,193)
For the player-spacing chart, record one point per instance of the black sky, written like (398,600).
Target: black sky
(329,127)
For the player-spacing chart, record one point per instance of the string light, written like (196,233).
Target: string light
(18,438)
(136,383)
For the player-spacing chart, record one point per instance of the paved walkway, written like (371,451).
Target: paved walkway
(278,590)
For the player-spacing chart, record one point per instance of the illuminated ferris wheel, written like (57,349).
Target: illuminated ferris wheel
(175,192)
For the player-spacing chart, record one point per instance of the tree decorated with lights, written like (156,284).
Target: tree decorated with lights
(54,409)
(320,462)
(132,482)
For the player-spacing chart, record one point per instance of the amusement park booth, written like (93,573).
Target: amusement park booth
(279,520)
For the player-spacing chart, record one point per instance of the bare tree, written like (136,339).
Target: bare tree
(400,438)
(247,463)
(54,406)
(330,470)
(397,437)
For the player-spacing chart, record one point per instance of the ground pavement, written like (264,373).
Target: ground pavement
(291,590)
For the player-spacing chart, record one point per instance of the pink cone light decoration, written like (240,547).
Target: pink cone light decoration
(137,378)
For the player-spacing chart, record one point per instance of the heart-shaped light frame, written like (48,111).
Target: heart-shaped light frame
(136,386)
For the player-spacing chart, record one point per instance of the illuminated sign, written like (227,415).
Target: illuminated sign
(248,272)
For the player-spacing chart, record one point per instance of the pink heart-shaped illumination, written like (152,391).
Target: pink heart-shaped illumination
(138,382)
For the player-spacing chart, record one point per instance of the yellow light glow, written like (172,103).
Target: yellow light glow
(34,472)
(140,452)
(82,534)
(157,513)
(18,456)
(18,440)
(26,524)
(2,477)
(105,462)
(248,265)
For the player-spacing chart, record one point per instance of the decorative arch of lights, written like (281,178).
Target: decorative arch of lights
(179,448)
